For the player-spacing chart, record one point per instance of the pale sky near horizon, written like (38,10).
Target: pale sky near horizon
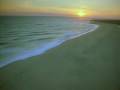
(94,8)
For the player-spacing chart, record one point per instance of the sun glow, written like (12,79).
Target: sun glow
(82,13)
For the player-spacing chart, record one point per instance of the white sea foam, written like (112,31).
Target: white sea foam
(38,51)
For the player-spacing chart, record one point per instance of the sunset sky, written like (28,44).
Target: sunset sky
(91,8)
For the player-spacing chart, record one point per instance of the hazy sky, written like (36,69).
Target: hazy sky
(94,8)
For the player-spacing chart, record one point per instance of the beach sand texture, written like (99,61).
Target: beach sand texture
(89,62)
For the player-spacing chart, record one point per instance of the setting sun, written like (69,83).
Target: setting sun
(82,13)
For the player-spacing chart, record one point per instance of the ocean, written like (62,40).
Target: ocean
(22,37)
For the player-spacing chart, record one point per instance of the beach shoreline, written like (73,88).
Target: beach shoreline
(89,62)
(47,47)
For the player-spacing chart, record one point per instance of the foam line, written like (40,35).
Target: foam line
(54,43)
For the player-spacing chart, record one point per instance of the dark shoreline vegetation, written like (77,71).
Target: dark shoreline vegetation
(109,21)
(89,62)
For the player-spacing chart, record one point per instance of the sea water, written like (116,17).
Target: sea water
(22,37)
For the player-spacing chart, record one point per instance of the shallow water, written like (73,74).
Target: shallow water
(24,37)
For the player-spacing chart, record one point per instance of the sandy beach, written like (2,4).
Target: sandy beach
(89,62)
